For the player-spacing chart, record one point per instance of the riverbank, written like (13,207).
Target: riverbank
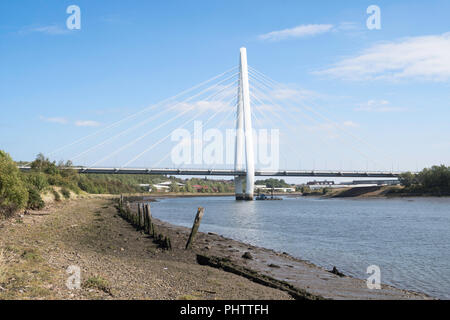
(118,262)
(370,192)
(301,274)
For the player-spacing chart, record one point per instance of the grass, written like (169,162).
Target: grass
(189,297)
(23,273)
(31,255)
(56,195)
(3,265)
(66,193)
(98,283)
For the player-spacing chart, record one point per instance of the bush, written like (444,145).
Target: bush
(35,201)
(56,195)
(66,193)
(38,180)
(13,192)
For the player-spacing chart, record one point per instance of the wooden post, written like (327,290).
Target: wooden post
(142,218)
(144,211)
(139,216)
(149,218)
(196,225)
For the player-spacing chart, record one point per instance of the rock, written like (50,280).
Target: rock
(247,255)
(337,272)
(272,265)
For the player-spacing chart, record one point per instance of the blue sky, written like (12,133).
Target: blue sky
(386,91)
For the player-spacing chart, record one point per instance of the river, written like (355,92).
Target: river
(407,238)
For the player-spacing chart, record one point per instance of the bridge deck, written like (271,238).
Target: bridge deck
(226,172)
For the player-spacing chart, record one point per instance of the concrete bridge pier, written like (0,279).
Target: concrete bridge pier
(244,135)
(239,188)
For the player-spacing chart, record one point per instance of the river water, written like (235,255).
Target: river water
(409,239)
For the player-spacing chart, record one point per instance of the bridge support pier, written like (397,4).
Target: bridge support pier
(239,188)
(249,156)
(244,135)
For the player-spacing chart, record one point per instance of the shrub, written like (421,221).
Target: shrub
(56,195)
(35,201)
(38,180)
(66,193)
(13,192)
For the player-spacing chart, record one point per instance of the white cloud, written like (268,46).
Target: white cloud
(377,106)
(423,58)
(59,120)
(297,32)
(87,123)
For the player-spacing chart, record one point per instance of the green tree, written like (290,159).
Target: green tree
(188,187)
(407,179)
(174,187)
(13,192)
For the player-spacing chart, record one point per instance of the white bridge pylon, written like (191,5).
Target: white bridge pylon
(244,135)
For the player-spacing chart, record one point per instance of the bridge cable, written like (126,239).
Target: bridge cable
(140,124)
(115,124)
(265,78)
(166,137)
(311,119)
(156,128)
(207,121)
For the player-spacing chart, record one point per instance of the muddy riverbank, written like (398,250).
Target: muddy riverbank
(118,262)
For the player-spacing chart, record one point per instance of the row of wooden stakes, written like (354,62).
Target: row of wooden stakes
(142,220)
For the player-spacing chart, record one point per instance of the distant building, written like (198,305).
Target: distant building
(199,188)
(165,186)
(264,188)
(320,183)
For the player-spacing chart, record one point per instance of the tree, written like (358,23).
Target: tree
(43,164)
(273,183)
(407,179)
(174,187)
(13,192)
(188,187)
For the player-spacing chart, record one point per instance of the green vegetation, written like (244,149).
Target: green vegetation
(273,183)
(35,201)
(434,181)
(13,190)
(23,190)
(98,283)
(65,193)
(56,195)
(208,186)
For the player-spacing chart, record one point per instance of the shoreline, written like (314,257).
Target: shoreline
(119,262)
(283,266)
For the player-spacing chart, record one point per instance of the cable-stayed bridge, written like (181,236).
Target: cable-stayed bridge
(231,172)
(242,98)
